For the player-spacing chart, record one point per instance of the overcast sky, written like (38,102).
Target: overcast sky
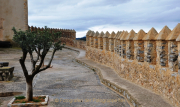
(104,15)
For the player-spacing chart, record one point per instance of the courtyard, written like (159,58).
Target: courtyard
(67,83)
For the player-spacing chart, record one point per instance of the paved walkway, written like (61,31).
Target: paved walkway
(68,83)
(143,96)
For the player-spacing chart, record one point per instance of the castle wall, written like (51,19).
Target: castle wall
(156,78)
(68,36)
(159,69)
(12,13)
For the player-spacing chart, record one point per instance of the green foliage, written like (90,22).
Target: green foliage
(20,97)
(43,97)
(17,101)
(29,41)
(36,100)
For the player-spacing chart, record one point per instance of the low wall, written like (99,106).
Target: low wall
(79,44)
(157,79)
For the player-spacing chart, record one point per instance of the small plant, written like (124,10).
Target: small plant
(20,97)
(36,100)
(93,69)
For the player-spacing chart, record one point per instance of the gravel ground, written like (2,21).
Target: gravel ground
(67,83)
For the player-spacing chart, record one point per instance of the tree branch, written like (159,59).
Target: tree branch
(21,61)
(32,62)
(42,60)
(39,66)
(48,66)
(38,54)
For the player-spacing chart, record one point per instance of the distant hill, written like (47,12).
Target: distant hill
(83,38)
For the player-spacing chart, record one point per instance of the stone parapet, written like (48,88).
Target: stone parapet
(155,78)
(67,35)
(151,59)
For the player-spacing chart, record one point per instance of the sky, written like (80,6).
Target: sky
(104,15)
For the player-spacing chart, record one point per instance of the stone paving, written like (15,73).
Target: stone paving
(68,83)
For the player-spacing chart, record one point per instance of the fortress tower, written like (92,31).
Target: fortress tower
(12,13)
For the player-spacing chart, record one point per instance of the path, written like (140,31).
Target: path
(137,95)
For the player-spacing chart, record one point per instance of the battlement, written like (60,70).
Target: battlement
(151,59)
(68,35)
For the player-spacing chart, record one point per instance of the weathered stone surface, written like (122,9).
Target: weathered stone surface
(148,60)
(139,35)
(130,36)
(175,33)
(149,77)
(150,35)
(12,13)
(162,35)
(100,40)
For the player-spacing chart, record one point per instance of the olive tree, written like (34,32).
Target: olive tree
(40,43)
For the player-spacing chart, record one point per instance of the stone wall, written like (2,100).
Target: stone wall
(148,59)
(68,35)
(13,13)
(79,44)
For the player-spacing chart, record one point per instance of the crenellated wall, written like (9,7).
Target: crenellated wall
(68,35)
(151,60)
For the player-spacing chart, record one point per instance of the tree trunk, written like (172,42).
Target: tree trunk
(29,90)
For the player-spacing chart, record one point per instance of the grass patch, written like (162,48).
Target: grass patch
(36,100)
(20,97)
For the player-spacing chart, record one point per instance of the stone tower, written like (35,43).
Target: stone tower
(12,13)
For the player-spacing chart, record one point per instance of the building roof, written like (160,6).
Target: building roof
(151,34)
